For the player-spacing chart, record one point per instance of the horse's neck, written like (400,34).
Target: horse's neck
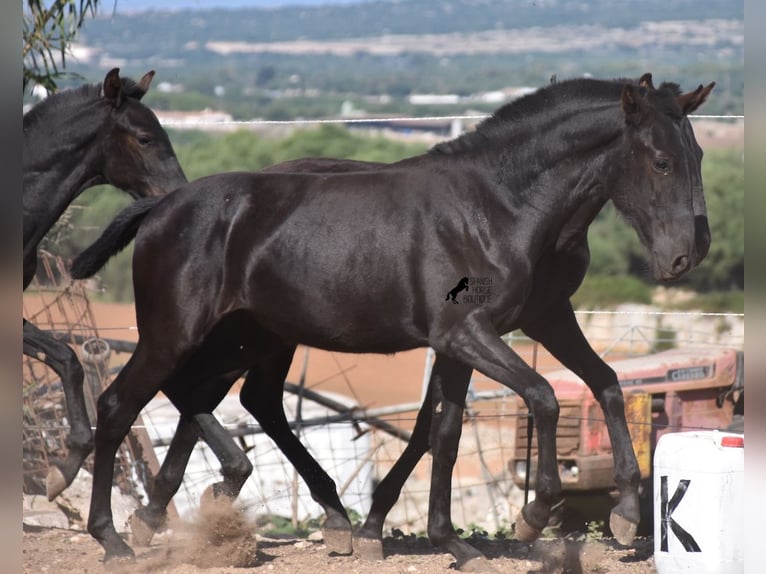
(47,197)
(560,187)
(55,173)
(574,231)
(567,166)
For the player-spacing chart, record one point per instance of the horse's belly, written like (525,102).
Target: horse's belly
(342,332)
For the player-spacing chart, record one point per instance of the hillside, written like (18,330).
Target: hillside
(368,19)
(305,61)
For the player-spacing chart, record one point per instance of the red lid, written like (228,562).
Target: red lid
(734,441)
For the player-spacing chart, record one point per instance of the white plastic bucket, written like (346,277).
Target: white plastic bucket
(699,507)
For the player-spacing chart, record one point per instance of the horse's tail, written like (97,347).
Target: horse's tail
(114,239)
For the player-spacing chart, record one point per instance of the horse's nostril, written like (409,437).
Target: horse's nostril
(680,264)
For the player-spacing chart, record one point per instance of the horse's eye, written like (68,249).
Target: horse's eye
(661,165)
(144,140)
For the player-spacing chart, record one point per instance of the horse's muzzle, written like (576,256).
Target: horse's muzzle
(671,269)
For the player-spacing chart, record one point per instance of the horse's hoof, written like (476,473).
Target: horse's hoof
(525,531)
(623,530)
(142,533)
(368,548)
(337,540)
(55,483)
(476,564)
(120,553)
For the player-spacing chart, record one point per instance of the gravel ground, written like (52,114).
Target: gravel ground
(228,546)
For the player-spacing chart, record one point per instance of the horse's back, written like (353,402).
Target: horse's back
(255,241)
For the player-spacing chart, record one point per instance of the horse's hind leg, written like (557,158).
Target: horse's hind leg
(118,406)
(559,332)
(235,466)
(262,396)
(368,538)
(148,519)
(61,358)
(449,387)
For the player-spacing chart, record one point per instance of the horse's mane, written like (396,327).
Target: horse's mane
(60,101)
(569,97)
(75,96)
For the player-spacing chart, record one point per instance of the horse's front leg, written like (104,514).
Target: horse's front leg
(62,359)
(433,420)
(475,342)
(559,332)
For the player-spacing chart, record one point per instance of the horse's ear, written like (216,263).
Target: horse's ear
(633,105)
(113,87)
(645,81)
(690,101)
(143,84)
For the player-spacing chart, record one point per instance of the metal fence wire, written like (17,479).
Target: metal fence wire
(355,446)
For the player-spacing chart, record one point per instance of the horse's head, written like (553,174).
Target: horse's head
(660,190)
(138,156)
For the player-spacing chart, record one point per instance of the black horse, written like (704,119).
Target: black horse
(242,267)
(95,134)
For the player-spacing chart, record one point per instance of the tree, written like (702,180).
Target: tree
(48,32)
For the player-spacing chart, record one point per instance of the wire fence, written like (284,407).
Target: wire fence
(220,122)
(355,445)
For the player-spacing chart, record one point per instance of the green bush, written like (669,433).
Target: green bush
(716,302)
(608,291)
(665,338)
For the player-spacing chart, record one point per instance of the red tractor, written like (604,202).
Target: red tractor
(670,391)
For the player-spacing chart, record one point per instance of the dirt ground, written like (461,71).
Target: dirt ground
(190,551)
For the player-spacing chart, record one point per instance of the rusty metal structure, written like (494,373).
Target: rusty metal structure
(55,303)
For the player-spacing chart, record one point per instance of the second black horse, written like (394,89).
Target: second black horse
(242,267)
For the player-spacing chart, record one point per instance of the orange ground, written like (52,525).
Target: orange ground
(373,380)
